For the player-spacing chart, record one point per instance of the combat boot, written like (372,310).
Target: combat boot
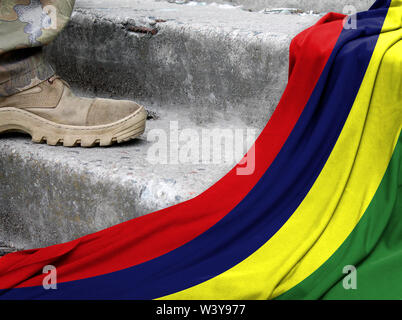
(51,113)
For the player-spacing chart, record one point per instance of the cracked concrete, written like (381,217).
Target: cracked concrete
(50,195)
(319,6)
(203,68)
(204,58)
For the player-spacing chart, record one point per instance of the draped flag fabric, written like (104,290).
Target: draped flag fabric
(326,193)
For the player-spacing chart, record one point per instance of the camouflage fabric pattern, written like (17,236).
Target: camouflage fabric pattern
(25,27)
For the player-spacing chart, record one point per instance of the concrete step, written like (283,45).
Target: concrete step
(206,57)
(320,6)
(196,68)
(50,195)
(5,249)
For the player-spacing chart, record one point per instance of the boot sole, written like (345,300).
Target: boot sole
(42,130)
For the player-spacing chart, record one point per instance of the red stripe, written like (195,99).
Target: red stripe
(153,235)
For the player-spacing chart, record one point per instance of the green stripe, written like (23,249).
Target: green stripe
(374,248)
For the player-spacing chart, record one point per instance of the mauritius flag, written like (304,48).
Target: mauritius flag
(325,195)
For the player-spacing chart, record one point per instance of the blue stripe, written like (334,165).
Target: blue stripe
(270,203)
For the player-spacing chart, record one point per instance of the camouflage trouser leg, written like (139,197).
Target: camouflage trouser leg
(26,26)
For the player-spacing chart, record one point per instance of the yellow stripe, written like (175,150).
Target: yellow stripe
(341,193)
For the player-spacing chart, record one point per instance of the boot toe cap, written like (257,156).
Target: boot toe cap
(105,111)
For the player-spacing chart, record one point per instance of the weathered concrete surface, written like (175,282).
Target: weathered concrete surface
(206,67)
(305,5)
(50,195)
(207,58)
(5,249)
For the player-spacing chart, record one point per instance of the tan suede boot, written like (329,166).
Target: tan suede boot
(51,112)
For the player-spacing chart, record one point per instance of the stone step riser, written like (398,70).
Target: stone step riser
(242,74)
(305,5)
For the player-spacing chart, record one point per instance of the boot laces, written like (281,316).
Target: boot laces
(55,77)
